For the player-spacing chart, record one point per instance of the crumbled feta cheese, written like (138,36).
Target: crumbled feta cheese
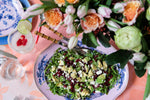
(93,83)
(61,62)
(72,81)
(80,72)
(81,64)
(99,72)
(75,63)
(59,67)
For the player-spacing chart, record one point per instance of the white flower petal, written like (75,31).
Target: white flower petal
(148,67)
(148,98)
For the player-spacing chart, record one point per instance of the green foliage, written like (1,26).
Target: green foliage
(108,2)
(90,40)
(120,56)
(48,4)
(104,41)
(147,88)
(144,45)
(139,68)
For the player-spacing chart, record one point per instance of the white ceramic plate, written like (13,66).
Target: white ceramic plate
(43,87)
(10,14)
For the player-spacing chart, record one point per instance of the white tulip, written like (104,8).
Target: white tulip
(148,67)
(70,10)
(72,42)
(113,26)
(148,98)
(81,12)
(139,57)
(104,11)
(30,12)
(120,7)
(70,29)
(68,20)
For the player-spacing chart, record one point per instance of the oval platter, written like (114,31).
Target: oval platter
(40,81)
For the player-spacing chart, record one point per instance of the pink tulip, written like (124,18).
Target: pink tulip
(104,11)
(68,20)
(81,12)
(70,29)
(70,10)
(120,7)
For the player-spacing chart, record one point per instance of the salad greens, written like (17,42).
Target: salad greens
(76,76)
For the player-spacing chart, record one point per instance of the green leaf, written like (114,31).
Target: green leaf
(79,29)
(49,4)
(41,7)
(139,68)
(104,41)
(89,40)
(116,10)
(44,23)
(144,45)
(120,56)
(121,23)
(108,3)
(147,88)
(140,73)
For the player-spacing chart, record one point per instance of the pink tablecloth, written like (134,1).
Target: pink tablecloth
(25,87)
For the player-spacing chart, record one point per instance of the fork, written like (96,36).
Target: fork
(63,42)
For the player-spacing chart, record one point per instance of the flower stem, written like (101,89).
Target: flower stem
(147,88)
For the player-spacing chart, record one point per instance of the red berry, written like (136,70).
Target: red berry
(19,42)
(23,36)
(24,42)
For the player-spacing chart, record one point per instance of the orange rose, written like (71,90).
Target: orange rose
(62,2)
(92,21)
(54,17)
(131,11)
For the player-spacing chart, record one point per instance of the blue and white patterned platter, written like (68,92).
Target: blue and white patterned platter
(40,81)
(10,13)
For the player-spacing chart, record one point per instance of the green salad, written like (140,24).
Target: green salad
(78,76)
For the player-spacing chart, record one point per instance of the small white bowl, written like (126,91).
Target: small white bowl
(14,37)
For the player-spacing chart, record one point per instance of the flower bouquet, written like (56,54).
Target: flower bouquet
(127,23)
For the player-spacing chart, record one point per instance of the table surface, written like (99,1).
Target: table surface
(26,87)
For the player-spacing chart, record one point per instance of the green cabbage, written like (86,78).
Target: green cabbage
(128,38)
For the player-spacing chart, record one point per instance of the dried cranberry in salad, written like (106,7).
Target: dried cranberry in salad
(76,76)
